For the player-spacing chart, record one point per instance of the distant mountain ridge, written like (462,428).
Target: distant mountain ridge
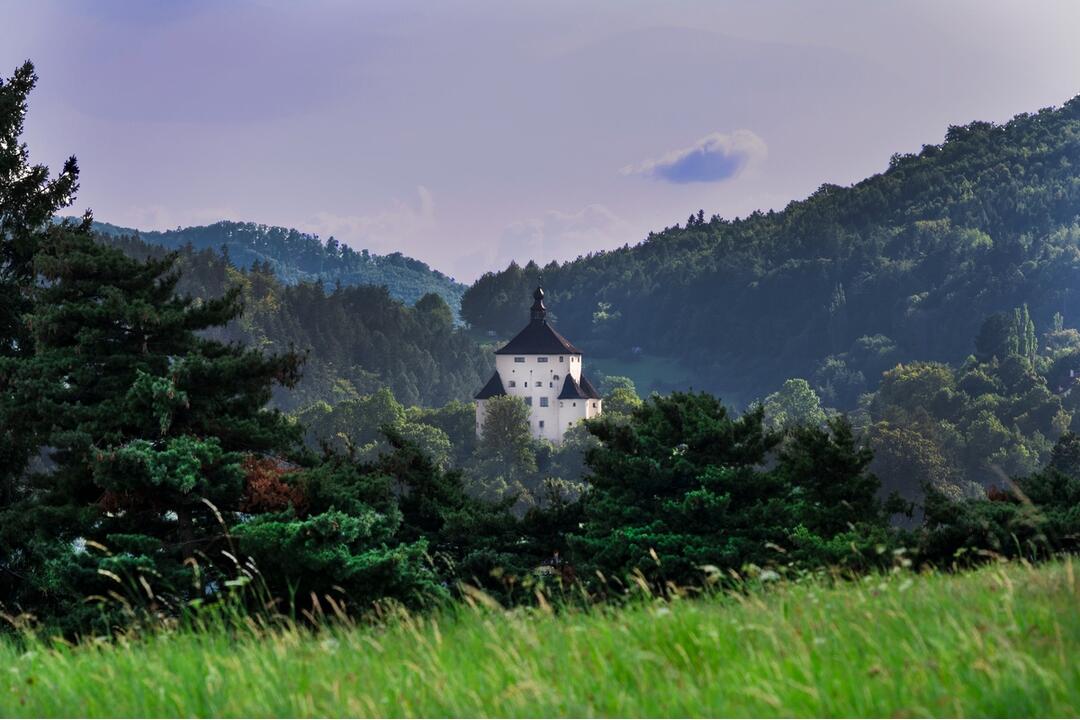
(297,257)
(358,338)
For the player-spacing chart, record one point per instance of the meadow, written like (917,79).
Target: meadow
(998,641)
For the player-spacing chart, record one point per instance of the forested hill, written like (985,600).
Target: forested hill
(905,264)
(358,339)
(300,257)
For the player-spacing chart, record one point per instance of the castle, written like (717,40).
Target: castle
(542,367)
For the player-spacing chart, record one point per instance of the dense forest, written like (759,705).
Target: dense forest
(912,259)
(356,339)
(963,429)
(296,257)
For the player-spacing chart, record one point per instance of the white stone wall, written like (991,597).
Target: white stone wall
(540,378)
(571,411)
(567,412)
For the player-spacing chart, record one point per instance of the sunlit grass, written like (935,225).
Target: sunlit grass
(1002,641)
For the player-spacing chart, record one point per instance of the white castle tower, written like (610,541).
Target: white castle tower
(542,367)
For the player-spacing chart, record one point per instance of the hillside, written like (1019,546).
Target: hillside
(994,643)
(298,257)
(912,259)
(357,339)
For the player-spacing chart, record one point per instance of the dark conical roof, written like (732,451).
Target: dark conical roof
(589,389)
(493,388)
(538,337)
(573,390)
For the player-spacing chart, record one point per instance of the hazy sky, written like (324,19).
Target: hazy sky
(467,134)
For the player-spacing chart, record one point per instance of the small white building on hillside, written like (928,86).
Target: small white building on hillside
(544,368)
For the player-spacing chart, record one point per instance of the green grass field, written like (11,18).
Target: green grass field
(1002,641)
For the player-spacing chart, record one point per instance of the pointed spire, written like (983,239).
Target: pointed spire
(538,337)
(539,310)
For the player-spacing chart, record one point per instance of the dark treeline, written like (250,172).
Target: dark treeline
(357,339)
(914,257)
(296,257)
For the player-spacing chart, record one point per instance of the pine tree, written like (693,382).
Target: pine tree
(28,201)
(682,485)
(1031,343)
(396,525)
(147,423)
(679,486)
(829,467)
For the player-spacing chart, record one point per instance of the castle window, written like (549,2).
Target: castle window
(513,383)
(575,404)
(528,401)
(556,377)
(541,359)
(543,402)
(519,359)
(538,384)
(561,360)
(541,424)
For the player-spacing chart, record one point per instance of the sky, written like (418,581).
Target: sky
(470,134)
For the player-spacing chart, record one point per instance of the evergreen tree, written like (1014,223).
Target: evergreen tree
(29,199)
(829,470)
(342,536)
(147,425)
(397,525)
(680,486)
(1031,343)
